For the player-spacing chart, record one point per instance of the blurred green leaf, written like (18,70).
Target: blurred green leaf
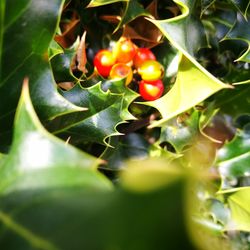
(205,4)
(239,204)
(39,160)
(241,31)
(74,218)
(27,28)
(233,159)
(181,133)
(242,6)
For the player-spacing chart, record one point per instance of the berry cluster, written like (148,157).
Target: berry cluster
(124,60)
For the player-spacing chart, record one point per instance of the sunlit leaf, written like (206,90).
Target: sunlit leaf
(192,86)
(239,204)
(39,160)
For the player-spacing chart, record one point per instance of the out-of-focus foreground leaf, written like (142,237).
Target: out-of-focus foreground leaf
(139,215)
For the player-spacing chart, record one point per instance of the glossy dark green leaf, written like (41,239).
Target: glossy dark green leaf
(131,146)
(241,31)
(39,160)
(205,4)
(27,28)
(242,6)
(234,102)
(181,133)
(183,29)
(233,159)
(133,10)
(61,65)
(105,111)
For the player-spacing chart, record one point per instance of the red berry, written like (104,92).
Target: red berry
(151,90)
(124,50)
(121,70)
(103,61)
(142,55)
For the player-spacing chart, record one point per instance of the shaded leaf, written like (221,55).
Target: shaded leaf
(39,160)
(67,38)
(181,133)
(241,31)
(205,4)
(242,6)
(105,111)
(132,11)
(234,102)
(233,159)
(131,146)
(23,30)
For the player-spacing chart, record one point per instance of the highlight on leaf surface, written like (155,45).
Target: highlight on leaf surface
(37,159)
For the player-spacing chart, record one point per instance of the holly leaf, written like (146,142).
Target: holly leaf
(132,11)
(181,133)
(238,200)
(194,83)
(24,43)
(131,146)
(234,102)
(192,86)
(205,4)
(39,160)
(241,32)
(242,6)
(55,219)
(97,3)
(233,159)
(105,111)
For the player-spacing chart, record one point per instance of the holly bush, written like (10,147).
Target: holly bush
(87,163)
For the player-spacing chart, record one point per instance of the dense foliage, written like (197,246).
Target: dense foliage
(87,163)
